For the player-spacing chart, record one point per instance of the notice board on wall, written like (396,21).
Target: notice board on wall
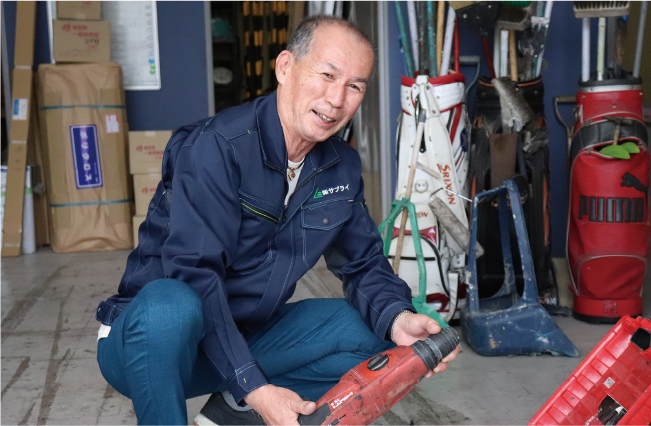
(134,41)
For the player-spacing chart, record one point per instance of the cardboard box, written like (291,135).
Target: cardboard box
(29,240)
(83,10)
(21,130)
(144,187)
(81,41)
(146,151)
(36,159)
(84,129)
(137,220)
(25,24)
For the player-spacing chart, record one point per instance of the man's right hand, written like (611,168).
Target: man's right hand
(278,406)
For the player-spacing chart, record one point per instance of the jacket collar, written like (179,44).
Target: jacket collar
(272,141)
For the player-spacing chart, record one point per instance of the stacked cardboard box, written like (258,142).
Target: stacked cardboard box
(83,118)
(145,159)
(79,34)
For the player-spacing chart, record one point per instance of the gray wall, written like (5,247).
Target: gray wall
(366,121)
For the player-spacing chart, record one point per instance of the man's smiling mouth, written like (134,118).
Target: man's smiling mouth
(324,117)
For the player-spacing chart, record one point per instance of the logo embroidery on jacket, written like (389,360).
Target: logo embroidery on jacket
(320,193)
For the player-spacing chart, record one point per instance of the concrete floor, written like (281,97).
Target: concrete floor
(50,375)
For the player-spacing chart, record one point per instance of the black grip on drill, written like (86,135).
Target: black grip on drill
(436,347)
(317,418)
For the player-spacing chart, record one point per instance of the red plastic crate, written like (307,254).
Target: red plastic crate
(611,386)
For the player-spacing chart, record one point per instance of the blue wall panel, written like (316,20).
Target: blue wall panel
(183,97)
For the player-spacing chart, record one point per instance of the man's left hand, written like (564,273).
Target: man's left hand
(411,327)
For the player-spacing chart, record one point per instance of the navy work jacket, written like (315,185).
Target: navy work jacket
(218,222)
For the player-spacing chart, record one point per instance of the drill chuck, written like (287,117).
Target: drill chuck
(436,347)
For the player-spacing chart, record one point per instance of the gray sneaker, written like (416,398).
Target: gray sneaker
(218,412)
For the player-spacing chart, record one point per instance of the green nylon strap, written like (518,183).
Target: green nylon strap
(84,106)
(91,203)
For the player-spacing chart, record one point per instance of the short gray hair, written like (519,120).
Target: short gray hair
(300,43)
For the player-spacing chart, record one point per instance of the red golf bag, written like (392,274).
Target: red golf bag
(609,227)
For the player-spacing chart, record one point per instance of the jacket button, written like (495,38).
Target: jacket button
(326,221)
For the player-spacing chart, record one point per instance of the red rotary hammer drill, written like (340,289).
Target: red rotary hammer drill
(369,390)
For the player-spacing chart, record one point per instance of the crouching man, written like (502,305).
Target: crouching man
(249,201)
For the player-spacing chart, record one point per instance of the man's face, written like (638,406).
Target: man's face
(319,94)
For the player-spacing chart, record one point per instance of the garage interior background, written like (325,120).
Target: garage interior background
(185,48)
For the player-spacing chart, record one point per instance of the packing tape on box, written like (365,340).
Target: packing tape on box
(91,203)
(45,108)
(28,225)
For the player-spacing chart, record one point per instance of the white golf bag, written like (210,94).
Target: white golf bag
(445,150)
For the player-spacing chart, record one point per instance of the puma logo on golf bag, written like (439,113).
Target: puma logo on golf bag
(615,209)
(618,210)
(631,181)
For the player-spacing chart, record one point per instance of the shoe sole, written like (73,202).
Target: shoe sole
(202,420)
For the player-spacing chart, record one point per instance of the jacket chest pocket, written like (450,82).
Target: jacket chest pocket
(320,225)
(259,224)
(326,215)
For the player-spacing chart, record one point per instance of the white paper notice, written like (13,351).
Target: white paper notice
(112,124)
(20,109)
(134,42)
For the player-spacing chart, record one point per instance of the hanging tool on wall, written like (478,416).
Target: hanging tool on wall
(512,17)
(479,17)
(598,9)
(531,42)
